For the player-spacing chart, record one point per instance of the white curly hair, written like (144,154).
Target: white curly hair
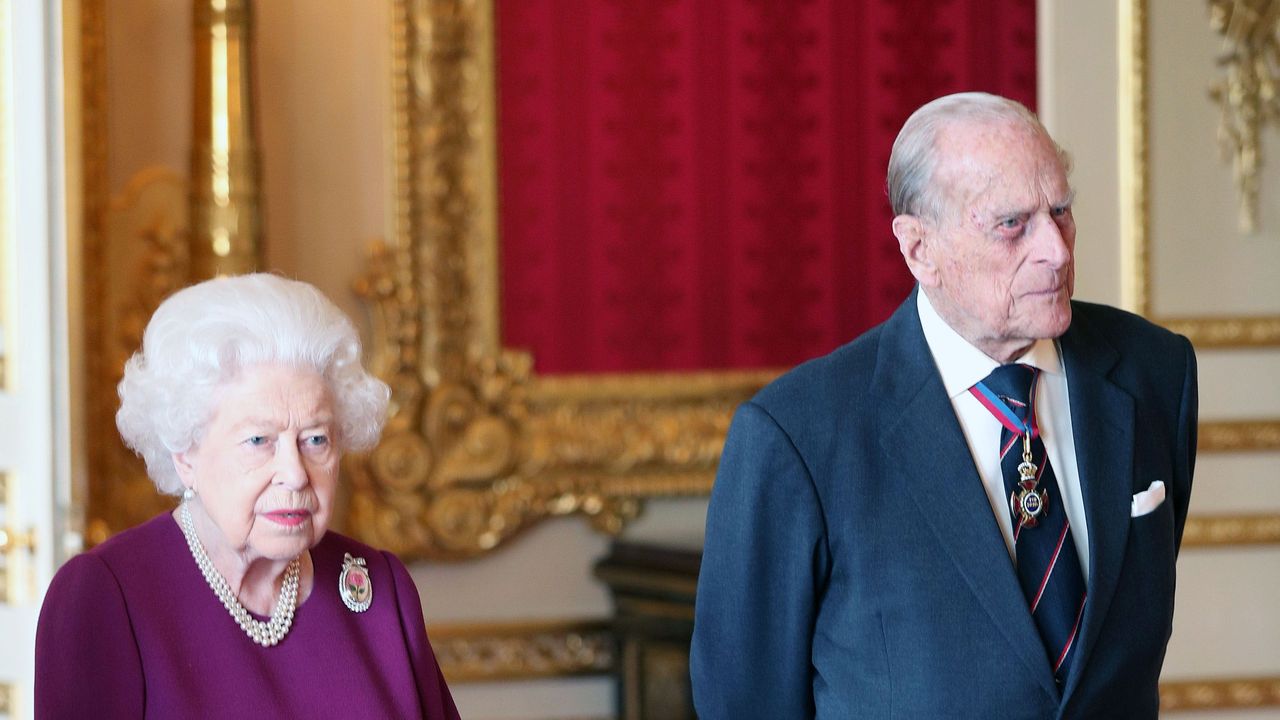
(204,335)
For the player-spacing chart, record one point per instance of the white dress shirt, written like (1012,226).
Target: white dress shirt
(962,366)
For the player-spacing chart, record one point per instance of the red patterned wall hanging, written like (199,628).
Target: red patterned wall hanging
(699,184)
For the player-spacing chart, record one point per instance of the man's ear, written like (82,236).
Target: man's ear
(916,248)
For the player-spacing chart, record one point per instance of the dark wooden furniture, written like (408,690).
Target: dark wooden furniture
(653,589)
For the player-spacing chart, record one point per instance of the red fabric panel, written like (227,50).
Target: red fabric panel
(699,184)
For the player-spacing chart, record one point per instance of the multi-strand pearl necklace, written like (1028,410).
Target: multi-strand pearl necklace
(267,633)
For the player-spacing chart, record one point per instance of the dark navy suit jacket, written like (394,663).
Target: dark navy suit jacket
(853,567)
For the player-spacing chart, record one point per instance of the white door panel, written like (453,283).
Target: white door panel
(33,385)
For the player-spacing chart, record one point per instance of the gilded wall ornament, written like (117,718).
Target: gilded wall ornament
(524,650)
(1247,93)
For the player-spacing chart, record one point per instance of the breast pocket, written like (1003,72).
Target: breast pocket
(1149,563)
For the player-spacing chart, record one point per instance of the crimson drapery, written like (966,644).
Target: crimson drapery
(699,184)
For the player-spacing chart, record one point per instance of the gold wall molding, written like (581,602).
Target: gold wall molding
(524,650)
(1135,213)
(1236,694)
(1239,435)
(478,447)
(1226,331)
(1231,530)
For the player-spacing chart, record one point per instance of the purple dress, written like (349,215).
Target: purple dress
(130,629)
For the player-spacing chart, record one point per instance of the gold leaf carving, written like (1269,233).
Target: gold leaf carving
(1239,435)
(523,650)
(402,461)
(1219,694)
(1220,332)
(1220,530)
(1247,94)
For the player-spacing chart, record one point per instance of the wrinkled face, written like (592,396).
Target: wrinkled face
(1002,252)
(266,469)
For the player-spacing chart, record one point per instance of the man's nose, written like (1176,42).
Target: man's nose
(1052,245)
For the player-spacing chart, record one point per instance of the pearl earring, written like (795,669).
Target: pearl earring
(188,495)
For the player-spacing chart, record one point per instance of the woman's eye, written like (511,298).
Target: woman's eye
(317,440)
(257,440)
(1012,223)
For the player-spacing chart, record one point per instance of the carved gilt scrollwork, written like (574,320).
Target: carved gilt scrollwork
(1231,530)
(470,459)
(524,650)
(1219,694)
(1248,92)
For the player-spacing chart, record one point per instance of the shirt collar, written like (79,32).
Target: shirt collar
(960,363)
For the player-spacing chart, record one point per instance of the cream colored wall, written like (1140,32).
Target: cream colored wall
(322,100)
(1226,624)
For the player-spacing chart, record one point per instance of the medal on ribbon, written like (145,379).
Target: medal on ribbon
(354,585)
(1028,502)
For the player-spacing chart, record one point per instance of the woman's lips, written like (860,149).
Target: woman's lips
(289,518)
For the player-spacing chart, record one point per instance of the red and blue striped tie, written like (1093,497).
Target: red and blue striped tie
(1048,566)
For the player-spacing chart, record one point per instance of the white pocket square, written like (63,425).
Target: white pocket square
(1147,500)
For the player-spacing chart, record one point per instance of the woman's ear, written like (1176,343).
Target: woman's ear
(186,470)
(917,248)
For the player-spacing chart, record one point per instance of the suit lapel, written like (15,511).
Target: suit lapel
(956,508)
(1102,420)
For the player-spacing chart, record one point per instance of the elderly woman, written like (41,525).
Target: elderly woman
(241,603)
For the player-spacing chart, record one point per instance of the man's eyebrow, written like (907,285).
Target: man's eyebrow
(1069,200)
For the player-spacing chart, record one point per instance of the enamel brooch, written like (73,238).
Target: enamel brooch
(354,585)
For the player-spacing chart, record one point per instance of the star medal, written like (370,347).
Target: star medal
(354,585)
(1028,502)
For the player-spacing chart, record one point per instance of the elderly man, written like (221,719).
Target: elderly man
(974,509)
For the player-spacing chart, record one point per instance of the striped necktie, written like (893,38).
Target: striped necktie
(1048,566)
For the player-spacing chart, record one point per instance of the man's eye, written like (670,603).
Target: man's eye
(1061,211)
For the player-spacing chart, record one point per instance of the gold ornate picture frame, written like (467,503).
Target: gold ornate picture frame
(478,447)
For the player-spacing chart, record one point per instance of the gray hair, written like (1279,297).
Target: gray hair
(203,335)
(914,158)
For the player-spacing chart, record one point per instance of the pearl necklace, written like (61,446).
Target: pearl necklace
(267,633)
